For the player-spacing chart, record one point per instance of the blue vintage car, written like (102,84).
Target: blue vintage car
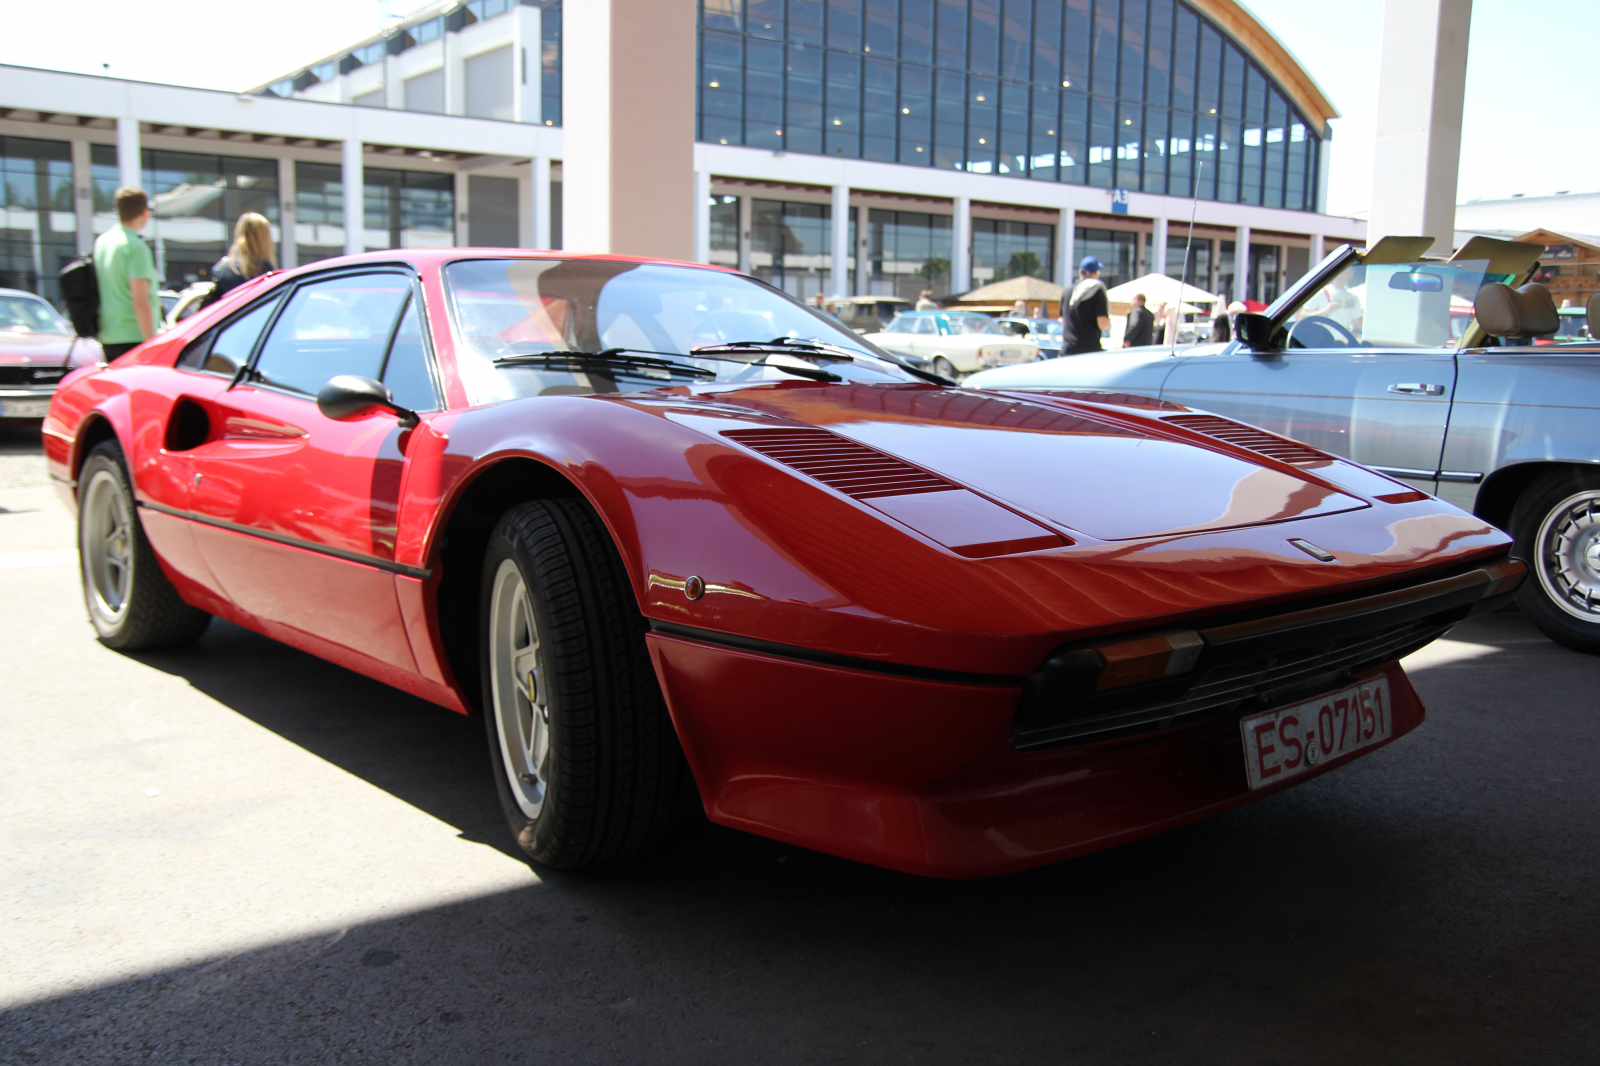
(1425,370)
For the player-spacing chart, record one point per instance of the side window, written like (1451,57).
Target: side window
(338,326)
(226,350)
(406,370)
(927,326)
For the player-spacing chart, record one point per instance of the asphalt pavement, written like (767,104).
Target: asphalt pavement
(237,853)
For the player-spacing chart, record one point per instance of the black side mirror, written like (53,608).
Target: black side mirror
(351,396)
(1256,332)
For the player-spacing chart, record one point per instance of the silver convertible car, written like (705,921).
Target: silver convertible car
(1423,369)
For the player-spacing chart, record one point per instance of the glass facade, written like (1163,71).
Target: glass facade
(1004,249)
(400,208)
(791,245)
(550,62)
(1130,94)
(39,232)
(1116,249)
(908,252)
(196,197)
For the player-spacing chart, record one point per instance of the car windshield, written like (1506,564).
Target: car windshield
(506,311)
(19,314)
(974,324)
(1391,305)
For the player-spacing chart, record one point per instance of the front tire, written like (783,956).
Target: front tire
(131,603)
(1557,529)
(944,368)
(585,759)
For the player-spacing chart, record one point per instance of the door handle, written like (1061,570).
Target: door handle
(1418,389)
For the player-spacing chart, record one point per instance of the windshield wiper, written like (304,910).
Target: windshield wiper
(610,359)
(792,344)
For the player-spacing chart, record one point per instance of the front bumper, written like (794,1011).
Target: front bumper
(920,776)
(963,776)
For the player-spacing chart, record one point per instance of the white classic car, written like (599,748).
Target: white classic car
(954,342)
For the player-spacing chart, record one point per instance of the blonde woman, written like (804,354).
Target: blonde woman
(249,257)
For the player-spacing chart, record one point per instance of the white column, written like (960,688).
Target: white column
(526,101)
(702,216)
(463,210)
(1241,263)
(128,168)
(839,282)
(1422,77)
(354,191)
(628,141)
(1158,242)
(961,246)
(746,224)
(288,215)
(394,89)
(83,196)
(1141,253)
(1317,251)
(539,200)
(1066,242)
(455,97)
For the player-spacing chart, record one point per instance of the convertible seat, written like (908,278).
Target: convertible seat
(1526,312)
(1594,316)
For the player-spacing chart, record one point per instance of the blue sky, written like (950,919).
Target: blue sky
(1527,89)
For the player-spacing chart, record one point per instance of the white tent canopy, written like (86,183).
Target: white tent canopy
(1158,288)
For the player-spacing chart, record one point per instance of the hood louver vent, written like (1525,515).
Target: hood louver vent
(1256,440)
(854,469)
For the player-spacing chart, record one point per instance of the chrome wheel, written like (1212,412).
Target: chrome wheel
(1568,545)
(521,705)
(105,548)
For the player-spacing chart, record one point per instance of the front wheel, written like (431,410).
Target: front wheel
(943,367)
(586,761)
(1557,529)
(131,603)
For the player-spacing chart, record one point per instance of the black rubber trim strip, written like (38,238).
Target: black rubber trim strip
(70,483)
(789,651)
(293,542)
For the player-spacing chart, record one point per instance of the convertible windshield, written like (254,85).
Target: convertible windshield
(523,327)
(1392,305)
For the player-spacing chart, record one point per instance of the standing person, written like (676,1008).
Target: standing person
(1088,311)
(249,256)
(1141,325)
(125,270)
(925,301)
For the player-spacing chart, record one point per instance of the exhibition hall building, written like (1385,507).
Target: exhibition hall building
(917,144)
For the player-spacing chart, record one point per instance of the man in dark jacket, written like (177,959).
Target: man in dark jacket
(1087,312)
(1140,329)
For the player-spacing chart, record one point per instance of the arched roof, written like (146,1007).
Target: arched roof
(1234,19)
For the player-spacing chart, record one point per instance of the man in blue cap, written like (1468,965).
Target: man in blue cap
(1087,312)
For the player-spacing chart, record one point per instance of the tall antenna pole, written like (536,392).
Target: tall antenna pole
(1188,248)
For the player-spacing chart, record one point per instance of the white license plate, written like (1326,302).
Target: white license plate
(24,408)
(1291,740)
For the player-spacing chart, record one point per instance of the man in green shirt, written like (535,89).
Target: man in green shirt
(130,306)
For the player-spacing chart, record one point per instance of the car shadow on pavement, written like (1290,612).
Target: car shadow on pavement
(1432,903)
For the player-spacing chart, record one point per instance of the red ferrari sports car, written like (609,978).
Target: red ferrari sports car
(667,528)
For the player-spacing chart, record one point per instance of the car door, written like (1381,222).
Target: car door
(297,511)
(1383,408)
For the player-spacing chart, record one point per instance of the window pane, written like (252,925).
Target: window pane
(232,346)
(406,371)
(333,327)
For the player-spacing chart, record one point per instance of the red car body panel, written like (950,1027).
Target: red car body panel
(330,537)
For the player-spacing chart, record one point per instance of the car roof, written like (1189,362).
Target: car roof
(24,292)
(437,257)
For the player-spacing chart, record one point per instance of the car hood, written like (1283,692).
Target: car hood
(1108,474)
(26,348)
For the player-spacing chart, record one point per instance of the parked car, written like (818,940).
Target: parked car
(1358,359)
(1045,332)
(37,349)
(953,342)
(867,314)
(187,303)
(663,524)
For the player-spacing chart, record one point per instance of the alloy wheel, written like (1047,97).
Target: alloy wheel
(106,547)
(1569,555)
(521,704)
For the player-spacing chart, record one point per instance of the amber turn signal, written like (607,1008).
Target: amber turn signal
(1505,577)
(1148,658)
